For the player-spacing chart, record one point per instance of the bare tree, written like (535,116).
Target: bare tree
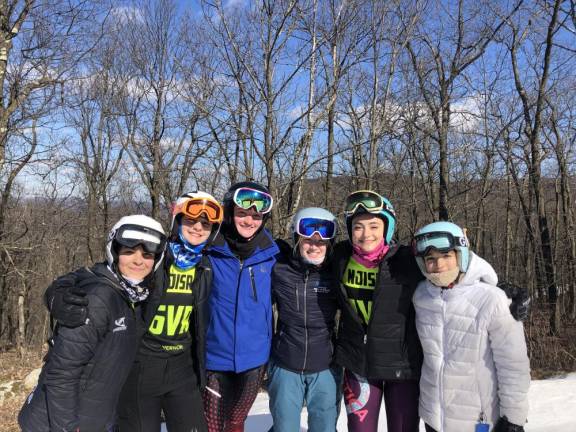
(92,111)
(445,52)
(253,41)
(158,126)
(41,44)
(532,108)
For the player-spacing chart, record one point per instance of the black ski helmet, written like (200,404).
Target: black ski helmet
(229,203)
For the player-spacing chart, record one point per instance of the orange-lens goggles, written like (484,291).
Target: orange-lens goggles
(195,207)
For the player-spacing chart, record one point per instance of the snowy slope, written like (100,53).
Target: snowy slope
(552,408)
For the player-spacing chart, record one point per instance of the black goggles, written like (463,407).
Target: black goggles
(371,201)
(131,236)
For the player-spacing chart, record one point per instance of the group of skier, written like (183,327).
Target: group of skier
(182,326)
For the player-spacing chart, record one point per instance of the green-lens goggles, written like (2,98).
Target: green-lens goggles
(247,198)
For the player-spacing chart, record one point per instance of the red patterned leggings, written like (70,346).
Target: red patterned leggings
(229,396)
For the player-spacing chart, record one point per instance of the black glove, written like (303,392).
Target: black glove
(67,302)
(520,306)
(504,425)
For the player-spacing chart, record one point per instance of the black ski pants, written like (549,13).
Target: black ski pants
(161,385)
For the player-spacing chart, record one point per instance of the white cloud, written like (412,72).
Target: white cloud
(125,14)
(466,113)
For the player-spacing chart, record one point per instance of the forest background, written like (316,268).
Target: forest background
(456,110)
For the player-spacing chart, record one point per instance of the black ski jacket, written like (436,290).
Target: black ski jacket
(305,297)
(388,348)
(86,367)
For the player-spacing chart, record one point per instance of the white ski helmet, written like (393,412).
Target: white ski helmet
(135,230)
(308,221)
(194,204)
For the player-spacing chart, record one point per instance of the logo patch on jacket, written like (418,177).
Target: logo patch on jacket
(120,325)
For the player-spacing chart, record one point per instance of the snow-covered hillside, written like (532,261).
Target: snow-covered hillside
(552,408)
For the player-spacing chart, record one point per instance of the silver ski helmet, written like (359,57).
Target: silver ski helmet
(308,221)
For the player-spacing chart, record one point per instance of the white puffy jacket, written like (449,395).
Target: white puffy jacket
(475,360)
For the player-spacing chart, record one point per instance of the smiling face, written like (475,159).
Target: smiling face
(135,263)
(367,231)
(247,222)
(313,249)
(196,230)
(440,262)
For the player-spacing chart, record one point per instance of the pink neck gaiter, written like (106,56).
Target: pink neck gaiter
(370,259)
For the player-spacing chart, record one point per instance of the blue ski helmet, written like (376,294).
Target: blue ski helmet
(442,236)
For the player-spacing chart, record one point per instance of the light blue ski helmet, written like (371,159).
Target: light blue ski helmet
(367,201)
(310,220)
(442,236)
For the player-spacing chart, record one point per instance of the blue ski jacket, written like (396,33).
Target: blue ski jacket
(239,331)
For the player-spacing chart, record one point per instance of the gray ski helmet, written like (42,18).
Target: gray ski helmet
(179,211)
(306,218)
(134,230)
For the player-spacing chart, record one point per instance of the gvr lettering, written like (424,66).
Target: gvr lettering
(170,319)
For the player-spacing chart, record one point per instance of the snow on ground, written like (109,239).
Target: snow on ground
(552,408)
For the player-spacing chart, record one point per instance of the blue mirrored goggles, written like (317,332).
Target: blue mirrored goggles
(441,241)
(247,198)
(326,229)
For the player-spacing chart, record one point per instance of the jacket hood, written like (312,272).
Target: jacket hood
(479,270)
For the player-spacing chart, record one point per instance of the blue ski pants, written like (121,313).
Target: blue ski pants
(288,391)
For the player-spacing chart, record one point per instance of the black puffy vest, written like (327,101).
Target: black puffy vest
(388,348)
(306,301)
